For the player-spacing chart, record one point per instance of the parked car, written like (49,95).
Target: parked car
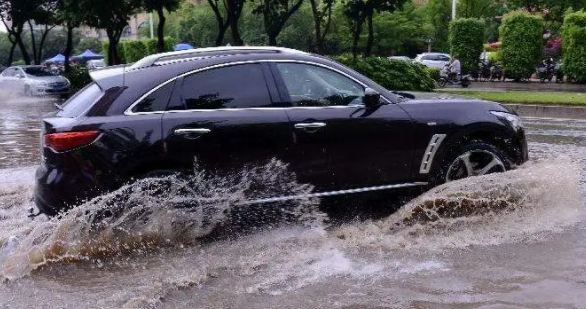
(95,64)
(403,58)
(34,80)
(433,60)
(229,107)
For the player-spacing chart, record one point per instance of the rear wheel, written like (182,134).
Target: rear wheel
(475,159)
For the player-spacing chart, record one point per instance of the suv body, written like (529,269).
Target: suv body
(433,60)
(34,80)
(230,107)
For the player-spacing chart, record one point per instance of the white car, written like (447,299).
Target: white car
(96,64)
(34,80)
(433,60)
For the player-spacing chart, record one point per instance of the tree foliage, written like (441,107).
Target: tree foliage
(322,18)
(466,38)
(439,14)
(522,37)
(275,14)
(574,49)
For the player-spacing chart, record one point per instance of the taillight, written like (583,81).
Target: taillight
(69,140)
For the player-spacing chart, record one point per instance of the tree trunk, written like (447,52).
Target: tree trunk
(42,43)
(25,55)
(234,11)
(272,40)
(114,40)
(68,48)
(33,41)
(317,22)
(370,39)
(11,54)
(161,31)
(222,25)
(355,38)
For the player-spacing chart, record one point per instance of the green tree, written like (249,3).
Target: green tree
(403,32)
(111,15)
(69,13)
(477,8)
(466,38)
(160,6)
(18,13)
(439,14)
(275,14)
(522,37)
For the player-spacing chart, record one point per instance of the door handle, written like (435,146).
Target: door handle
(311,125)
(192,131)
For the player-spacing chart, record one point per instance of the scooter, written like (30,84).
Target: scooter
(445,78)
(545,71)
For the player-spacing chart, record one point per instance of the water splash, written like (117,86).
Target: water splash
(520,205)
(158,212)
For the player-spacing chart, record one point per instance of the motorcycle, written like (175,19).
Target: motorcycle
(496,72)
(447,78)
(558,72)
(483,73)
(545,71)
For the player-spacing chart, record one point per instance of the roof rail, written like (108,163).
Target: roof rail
(192,53)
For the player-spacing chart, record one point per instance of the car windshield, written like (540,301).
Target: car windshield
(37,71)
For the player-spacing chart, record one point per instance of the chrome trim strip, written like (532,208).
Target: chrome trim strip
(434,144)
(334,193)
(129,112)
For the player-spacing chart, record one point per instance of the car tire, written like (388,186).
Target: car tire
(476,158)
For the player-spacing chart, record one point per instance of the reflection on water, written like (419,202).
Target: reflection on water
(20,122)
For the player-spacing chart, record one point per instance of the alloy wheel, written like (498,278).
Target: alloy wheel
(474,163)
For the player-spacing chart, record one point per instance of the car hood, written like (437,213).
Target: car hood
(48,79)
(449,101)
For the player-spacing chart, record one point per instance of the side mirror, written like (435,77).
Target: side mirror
(371,98)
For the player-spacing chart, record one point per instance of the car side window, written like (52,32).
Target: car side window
(156,101)
(237,86)
(310,85)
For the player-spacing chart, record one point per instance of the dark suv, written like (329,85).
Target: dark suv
(230,107)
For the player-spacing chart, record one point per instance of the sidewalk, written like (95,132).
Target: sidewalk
(527,86)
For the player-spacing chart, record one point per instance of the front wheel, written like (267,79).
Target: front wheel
(442,82)
(475,159)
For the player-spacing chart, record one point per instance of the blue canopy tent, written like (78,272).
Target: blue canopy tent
(87,55)
(57,59)
(182,46)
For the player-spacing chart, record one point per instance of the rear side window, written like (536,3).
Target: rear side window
(156,101)
(238,86)
(81,101)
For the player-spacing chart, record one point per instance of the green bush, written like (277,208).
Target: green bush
(151,45)
(574,47)
(391,74)
(434,73)
(522,37)
(135,50)
(466,37)
(170,43)
(79,77)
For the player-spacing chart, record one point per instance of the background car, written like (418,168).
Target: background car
(34,80)
(404,58)
(95,64)
(333,127)
(433,60)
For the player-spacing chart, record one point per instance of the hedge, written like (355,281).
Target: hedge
(466,39)
(79,77)
(391,74)
(522,37)
(134,50)
(574,47)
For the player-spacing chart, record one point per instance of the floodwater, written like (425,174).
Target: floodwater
(518,240)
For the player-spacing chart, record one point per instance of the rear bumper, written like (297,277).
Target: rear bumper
(57,191)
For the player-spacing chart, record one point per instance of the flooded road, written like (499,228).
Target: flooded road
(529,253)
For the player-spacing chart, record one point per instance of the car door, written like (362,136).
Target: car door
(358,147)
(223,119)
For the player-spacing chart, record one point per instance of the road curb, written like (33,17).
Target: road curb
(549,111)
